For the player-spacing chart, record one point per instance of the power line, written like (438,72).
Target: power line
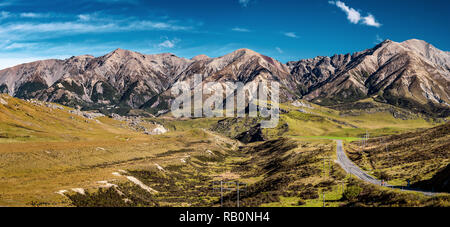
(229,186)
(324,164)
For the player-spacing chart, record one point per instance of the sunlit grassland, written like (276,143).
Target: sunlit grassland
(325,122)
(44,150)
(21,121)
(350,139)
(333,195)
(34,171)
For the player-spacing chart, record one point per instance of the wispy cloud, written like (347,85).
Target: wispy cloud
(29,37)
(354,16)
(84,17)
(290,34)
(370,21)
(168,44)
(134,2)
(244,3)
(83,25)
(237,29)
(379,39)
(4,15)
(35,15)
(14,46)
(279,50)
(7,3)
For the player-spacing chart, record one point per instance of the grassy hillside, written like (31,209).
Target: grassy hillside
(353,120)
(47,149)
(415,155)
(345,122)
(22,121)
(52,156)
(283,172)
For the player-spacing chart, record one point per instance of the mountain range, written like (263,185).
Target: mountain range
(412,74)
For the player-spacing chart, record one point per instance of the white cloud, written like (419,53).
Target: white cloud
(354,16)
(25,39)
(34,15)
(19,46)
(19,31)
(244,3)
(168,44)
(370,21)
(4,15)
(279,50)
(58,27)
(93,23)
(237,29)
(84,17)
(291,34)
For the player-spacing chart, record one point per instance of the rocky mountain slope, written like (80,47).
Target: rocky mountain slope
(412,74)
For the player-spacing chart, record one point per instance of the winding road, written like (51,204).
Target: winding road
(351,168)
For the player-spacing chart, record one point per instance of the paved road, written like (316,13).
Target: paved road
(351,168)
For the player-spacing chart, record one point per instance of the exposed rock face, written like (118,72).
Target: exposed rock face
(298,103)
(158,130)
(3,102)
(412,74)
(242,65)
(200,57)
(119,79)
(253,135)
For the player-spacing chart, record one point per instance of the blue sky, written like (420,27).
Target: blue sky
(284,29)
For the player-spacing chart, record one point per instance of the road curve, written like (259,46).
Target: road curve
(351,168)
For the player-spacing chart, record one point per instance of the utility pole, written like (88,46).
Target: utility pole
(364,140)
(323,197)
(341,182)
(229,186)
(237,184)
(324,164)
(323,167)
(239,190)
(221,194)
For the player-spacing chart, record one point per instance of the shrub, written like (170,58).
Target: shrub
(383,175)
(310,193)
(352,192)
(301,202)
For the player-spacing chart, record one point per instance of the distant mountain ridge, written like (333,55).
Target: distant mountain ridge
(412,74)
